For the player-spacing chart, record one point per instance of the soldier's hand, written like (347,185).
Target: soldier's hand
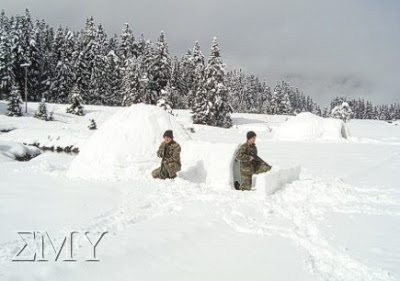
(251,158)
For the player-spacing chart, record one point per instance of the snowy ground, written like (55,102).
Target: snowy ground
(339,221)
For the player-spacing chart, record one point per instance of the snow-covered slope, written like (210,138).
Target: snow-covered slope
(337,218)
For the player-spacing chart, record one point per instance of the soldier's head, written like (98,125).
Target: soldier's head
(251,137)
(168,136)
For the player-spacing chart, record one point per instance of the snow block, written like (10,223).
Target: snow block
(209,163)
(309,127)
(125,145)
(276,178)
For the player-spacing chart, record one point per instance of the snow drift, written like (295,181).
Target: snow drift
(17,151)
(125,146)
(308,127)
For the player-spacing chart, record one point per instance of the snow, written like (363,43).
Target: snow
(209,163)
(277,178)
(309,127)
(14,150)
(125,146)
(332,211)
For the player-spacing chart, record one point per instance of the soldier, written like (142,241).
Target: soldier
(170,152)
(250,163)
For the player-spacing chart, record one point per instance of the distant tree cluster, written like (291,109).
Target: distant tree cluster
(88,67)
(361,109)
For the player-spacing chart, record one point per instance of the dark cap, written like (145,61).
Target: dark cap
(250,135)
(168,133)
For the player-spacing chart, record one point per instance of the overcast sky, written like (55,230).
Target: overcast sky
(326,48)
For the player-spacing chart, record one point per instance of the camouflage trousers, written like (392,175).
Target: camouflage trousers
(166,171)
(246,174)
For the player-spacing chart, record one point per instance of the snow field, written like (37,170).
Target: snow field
(337,220)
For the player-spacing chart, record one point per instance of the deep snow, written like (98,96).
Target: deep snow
(338,219)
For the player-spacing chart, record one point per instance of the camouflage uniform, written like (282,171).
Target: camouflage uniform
(171,160)
(247,167)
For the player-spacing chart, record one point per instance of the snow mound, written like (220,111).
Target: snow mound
(17,151)
(277,178)
(125,145)
(309,127)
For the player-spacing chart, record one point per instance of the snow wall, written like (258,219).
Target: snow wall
(209,163)
(276,178)
(309,127)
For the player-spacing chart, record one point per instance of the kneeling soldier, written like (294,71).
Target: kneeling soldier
(170,152)
(250,163)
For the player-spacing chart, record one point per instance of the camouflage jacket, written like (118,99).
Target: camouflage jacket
(171,153)
(243,155)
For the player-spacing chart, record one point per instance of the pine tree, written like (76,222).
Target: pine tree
(86,52)
(130,84)
(265,98)
(164,100)
(5,58)
(179,86)
(160,68)
(113,80)
(280,103)
(325,113)
(92,125)
(211,105)
(14,102)
(42,112)
(62,81)
(76,100)
(342,111)
(251,94)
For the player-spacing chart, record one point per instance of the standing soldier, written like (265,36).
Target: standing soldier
(250,163)
(170,152)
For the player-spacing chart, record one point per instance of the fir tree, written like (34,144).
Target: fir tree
(164,100)
(160,68)
(14,102)
(211,105)
(92,125)
(42,112)
(342,111)
(280,103)
(76,100)
(130,84)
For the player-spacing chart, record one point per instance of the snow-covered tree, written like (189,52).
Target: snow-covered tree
(113,80)
(280,103)
(42,112)
(164,100)
(130,84)
(92,124)
(160,68)
(342,111)
(76,100)
(14,102)
(211,104)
